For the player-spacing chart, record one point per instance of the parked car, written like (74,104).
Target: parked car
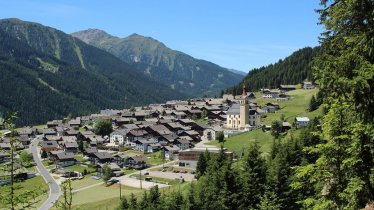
(113,181)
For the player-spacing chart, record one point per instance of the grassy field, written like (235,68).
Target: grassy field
(86,181)
(154,158)
(103,198)
(35,184)
(79,158)
(239,142)
(158,179)
(297,106)
(80,168)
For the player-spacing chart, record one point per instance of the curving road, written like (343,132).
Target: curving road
(54,189)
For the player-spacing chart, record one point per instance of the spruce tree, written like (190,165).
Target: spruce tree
(342,175)
(253,177)
(133,204)
(124,205)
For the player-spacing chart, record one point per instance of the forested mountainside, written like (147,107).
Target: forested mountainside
(47,74)
(292,70)
(173,68)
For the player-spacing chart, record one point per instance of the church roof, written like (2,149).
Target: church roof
(234,109)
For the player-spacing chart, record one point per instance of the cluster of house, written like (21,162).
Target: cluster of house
(24,137)
(168,127)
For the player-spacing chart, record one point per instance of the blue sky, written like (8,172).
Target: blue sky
(238,34)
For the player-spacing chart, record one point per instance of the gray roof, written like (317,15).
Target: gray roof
(138,158)
(65,155)
(183,141)
(103,155)
(90,149)
(122,132)
(173,148)
(71,144)
(49,144)
(49,131)
(234,109)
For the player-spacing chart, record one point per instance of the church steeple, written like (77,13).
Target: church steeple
(244,94)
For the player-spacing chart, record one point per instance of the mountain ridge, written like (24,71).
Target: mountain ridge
(59,74)
(180,71)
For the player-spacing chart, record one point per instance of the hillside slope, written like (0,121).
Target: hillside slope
(175,69)
(292,70)
(48,74)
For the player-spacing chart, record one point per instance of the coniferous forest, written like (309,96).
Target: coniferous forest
(330,165)
(292,70)
(47,74)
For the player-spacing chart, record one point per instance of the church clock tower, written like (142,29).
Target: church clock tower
(244,109)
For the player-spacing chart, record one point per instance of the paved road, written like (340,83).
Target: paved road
(54,189)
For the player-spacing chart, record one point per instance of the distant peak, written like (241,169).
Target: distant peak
(11,20)
(92,31)
(136,35)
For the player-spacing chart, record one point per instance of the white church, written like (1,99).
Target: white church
(240,116)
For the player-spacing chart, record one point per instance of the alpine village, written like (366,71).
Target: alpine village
(89,120)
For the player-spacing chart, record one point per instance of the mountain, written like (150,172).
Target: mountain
(47,74)
(175,69)
(293,69)
(238,72)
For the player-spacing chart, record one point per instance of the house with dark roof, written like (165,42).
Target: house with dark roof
(4,157)
(137,162)
(182,144)
(137,134)
(141,145)
(49,132)
(119,137)
(89,150)
(70,146)
(171,152)
(71,132)
(158,130)
(62,159)
(49,146)
(285,88)
(169,138)
(100,157)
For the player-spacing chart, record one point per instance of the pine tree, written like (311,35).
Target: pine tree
(202,164)
(144,204)
(313,104)
(154,197)
(44,154)
(342,174)
(124,205)
(253,177)
(133,204)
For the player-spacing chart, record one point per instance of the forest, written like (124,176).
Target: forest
(294,69)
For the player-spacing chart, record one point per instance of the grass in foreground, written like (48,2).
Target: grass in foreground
(35,184)
(113,201)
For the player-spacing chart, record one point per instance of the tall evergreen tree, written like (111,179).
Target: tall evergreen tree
(253,177)
(133,204)
(343,172)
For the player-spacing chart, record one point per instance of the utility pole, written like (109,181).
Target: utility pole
(120,190)
(140,178)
